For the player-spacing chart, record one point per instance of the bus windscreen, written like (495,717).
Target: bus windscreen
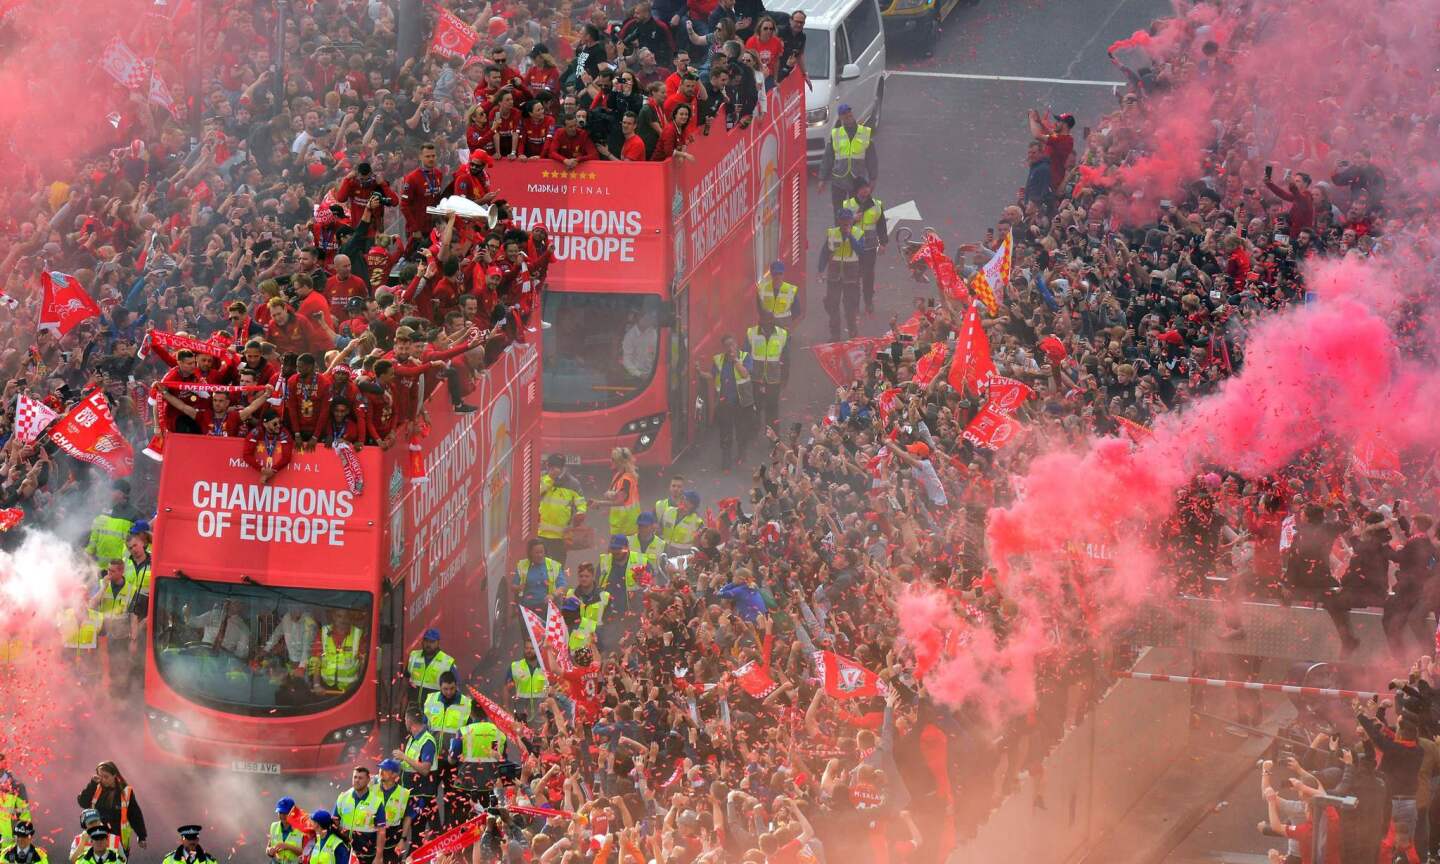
(259,650)
(600,349)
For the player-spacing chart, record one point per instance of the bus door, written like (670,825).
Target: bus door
(681,371)
(394,686)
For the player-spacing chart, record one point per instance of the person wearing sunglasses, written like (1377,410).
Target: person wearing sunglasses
(768,47)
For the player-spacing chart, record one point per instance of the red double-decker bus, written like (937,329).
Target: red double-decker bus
(248,578)
(656,261)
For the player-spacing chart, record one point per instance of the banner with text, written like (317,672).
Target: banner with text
(217,517)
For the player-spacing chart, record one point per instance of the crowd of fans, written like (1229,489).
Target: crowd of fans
(713,722)
(295,227)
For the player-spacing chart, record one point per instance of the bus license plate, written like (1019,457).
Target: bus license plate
(255,767)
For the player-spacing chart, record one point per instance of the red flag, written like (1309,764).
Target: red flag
(846,361)
(462,836)
(535,629)
(991,429)
(1374,458)
(557,638)
(453,37)
(499,716)
(846,679)
(972,364)
(64,303)
(1006,394)
(88,432)
(927,367)
(10,517)
(932,252)
(755,680)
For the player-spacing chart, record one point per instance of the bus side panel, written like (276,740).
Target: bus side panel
(452,537)
(742,208)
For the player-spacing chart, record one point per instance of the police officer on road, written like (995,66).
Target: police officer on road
(24,850)
(849,153)
(189,851)
(425,666)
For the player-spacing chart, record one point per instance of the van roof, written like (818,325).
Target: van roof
(818,13)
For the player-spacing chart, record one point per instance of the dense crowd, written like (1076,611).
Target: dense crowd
(727,690)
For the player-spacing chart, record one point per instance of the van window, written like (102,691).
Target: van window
(817,53)
(862,26)
(842,50)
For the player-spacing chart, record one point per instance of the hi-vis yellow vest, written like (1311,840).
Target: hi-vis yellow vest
(848,150)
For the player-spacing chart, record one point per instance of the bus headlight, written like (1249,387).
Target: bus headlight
(346,734)
(649,424)
(162,722)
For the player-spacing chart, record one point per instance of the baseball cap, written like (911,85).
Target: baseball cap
(24,829)
(322,818)
(843,108)
(919,449)
(777,267)
(389,765)
(692,497)
(431,635)
(284,805)
(89,817)
(140,525)
(618,541)
(646,518)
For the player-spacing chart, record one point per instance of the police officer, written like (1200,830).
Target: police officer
(769,351)
(616,573)
(395,800)
(687,528)
(99,850)
(14,808)
(666,507)
(527,678)
(870,219)
(849,153)
(418,771)
(90,819)
(426,664)
(649,541)
(775,295)
(447,710)
(477,755)
(189,851)
(537,578)
(328,848)
(840,262)
(360,812)
(110,528)
(285,841)
(734,398)
(561,506)
(24,850)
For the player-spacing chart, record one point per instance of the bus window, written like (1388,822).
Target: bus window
(257,650)
(600,350)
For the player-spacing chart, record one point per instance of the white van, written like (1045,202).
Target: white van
(845,60)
